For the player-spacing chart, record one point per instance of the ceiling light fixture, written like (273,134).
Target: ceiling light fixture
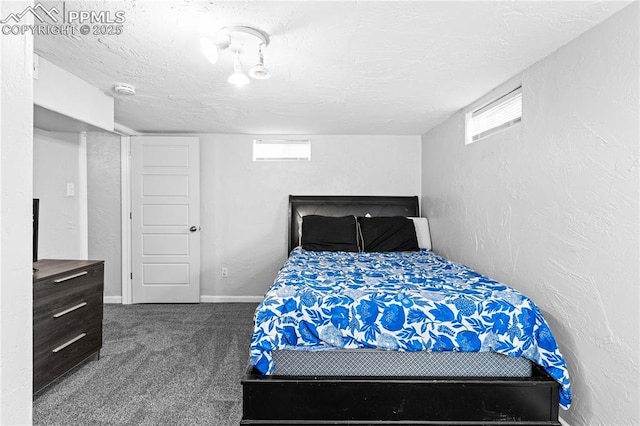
(238,39)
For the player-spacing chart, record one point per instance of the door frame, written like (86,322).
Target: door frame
(125,203)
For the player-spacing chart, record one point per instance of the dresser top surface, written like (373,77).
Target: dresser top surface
(46,268)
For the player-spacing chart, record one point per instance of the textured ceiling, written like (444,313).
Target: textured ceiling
(351,67)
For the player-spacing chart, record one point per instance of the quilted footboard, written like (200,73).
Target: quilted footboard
(281,400)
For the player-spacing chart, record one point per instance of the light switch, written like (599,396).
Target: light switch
(71,189)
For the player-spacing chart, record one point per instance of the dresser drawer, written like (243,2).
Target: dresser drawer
(47,293)
(52,362)
(71,318)
(61,304)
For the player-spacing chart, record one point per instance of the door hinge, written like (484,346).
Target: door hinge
(131,275)
(130,215)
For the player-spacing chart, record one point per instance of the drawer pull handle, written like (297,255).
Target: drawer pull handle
(70,342)
(73,308)
(70,277)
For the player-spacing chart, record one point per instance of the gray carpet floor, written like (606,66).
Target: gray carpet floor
(159,365)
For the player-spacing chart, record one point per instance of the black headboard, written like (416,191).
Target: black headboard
(338,205)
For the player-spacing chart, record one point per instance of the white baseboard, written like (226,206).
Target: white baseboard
(562,421)
(203,299)
(112,299)
(231,299)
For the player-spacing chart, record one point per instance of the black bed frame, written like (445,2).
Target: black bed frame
(287,400)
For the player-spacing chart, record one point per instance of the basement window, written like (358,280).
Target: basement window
(281,150)
(494,116)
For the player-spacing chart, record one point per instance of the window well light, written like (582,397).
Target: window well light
(495,116)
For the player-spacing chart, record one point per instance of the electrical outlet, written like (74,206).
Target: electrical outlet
(225,272)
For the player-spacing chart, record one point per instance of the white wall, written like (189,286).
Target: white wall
(245,203)
(551,207)
(16,290)
(103,183)
(57,161)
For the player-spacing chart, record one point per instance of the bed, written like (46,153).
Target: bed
(363,335)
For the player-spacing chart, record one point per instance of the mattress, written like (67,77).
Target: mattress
(397,302)
(374,363)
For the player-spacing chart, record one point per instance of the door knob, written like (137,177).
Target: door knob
(193,229)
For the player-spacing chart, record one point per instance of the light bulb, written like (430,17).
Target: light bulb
(209,50)
(259,71)
(238,78)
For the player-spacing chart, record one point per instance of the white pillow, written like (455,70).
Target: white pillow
(422,232)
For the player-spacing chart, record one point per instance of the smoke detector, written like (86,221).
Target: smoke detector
(124,89)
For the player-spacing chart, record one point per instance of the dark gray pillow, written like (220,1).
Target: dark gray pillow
(383,234)
(327,233)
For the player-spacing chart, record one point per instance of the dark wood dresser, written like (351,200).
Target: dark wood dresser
(67,316)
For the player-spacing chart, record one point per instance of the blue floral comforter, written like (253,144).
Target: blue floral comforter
(405,301)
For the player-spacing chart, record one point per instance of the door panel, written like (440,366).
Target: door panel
(165,215)
(165,156)
(165,245)
(167,273)
(165,199)
(169,185)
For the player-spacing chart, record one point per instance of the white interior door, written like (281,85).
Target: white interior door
(165,219)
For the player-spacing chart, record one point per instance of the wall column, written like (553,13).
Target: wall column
(16,158)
